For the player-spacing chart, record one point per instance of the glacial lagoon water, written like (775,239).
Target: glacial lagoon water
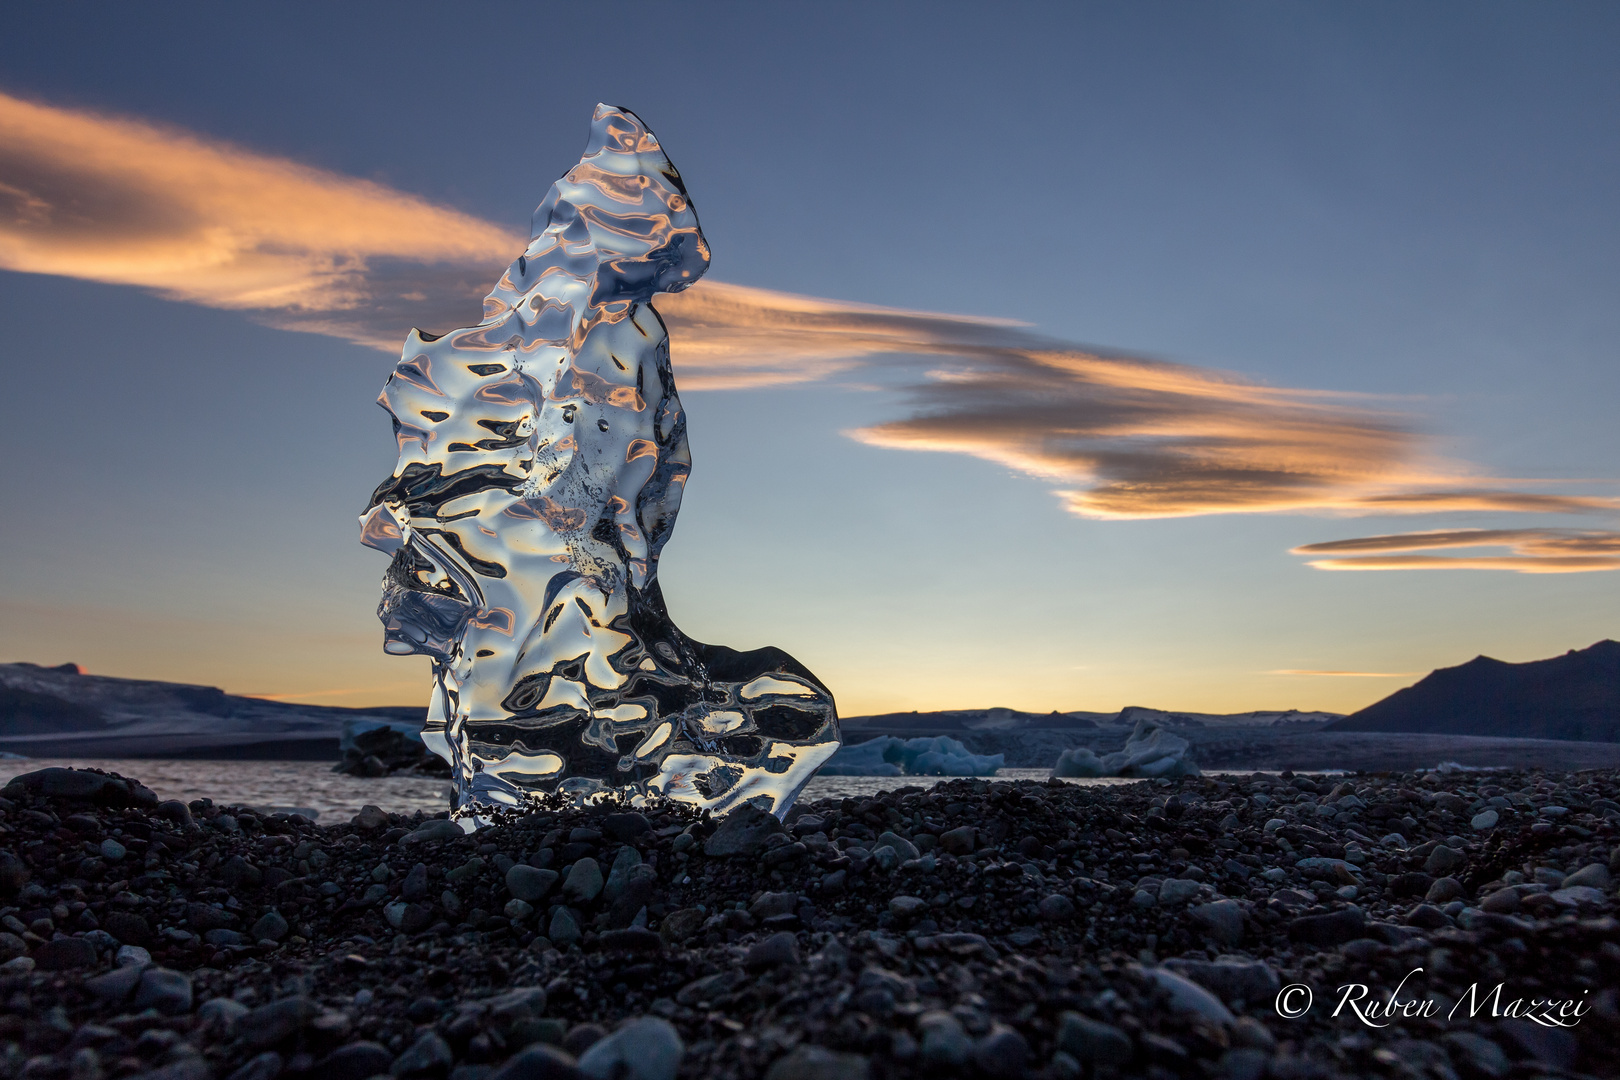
(313,786)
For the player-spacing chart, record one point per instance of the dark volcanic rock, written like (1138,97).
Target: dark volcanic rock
(128,927)
(357,1061)
(277,1022)
(13,873)
(65,954)
(1334,928)
(80,784)
(1046,944)
(743,832)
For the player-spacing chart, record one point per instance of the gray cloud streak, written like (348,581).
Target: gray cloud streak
(1530,551)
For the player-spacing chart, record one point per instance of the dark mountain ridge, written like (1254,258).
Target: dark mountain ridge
(1571,697)
(61,711)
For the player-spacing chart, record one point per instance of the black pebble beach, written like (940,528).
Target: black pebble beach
(971,929)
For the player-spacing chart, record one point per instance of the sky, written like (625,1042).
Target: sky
(1211,357)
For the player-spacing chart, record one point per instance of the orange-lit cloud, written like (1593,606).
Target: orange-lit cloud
(1119,436)
(124,201)
(726,336)
(1530,551)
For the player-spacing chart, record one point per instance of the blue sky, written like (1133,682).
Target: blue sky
(1390,230)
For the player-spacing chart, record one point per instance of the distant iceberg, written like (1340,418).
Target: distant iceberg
(354,728)
(889,756)
(1151,751)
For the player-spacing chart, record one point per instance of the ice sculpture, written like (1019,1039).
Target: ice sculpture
(542,456)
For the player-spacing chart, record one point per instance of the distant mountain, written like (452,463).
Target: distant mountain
(1573,697)
(62,712)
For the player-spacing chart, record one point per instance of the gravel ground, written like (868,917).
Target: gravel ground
(977,929)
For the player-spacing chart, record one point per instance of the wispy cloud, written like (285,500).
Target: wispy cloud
(124,201)
(1119,436)
(1346,674)
(727,336)
(1529,551)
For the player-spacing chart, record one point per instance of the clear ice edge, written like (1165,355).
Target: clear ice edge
(542,456)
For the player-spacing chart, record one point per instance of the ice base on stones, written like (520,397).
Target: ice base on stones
(542,456)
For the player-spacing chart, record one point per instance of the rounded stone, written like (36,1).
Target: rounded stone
(268,1066)
(647,1048)
(269,1024)
(270,927)
(1443,860)
(14,873)
(132,956)
(1088,1040)
(1444,890)
(1055,907)
(1003,1054)
(818,1063)
(581,1037)
(415,886)
(127,927)
(528,883)
(539,1062)
(65,954)
(355,1061)
(437,829)
(944,1043)
(1177,891)
(1593,875)
(776,950)
(584,882)
(370,818)
(563,929)
(902,847)
(429,1054)
(169,992)
(1221,920)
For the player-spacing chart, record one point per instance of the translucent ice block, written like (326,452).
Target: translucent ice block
(542,456)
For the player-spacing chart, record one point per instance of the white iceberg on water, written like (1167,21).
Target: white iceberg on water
(889,756)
